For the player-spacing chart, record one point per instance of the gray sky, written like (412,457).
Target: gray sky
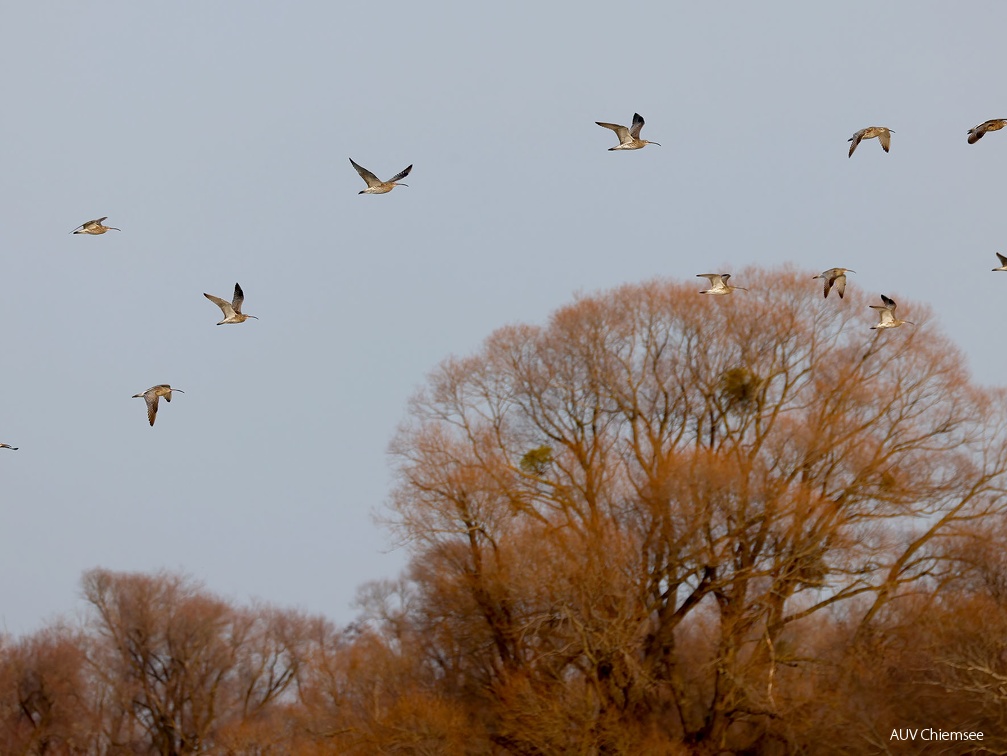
(216,136)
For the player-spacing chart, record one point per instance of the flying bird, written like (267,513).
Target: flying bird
(376,185)
(94,227)
(629,139)
(886,313)
(718,283)
(8,446)
(151,395)
(1003,262)
(883,134)
(232,310)
(976,133)
(835,277)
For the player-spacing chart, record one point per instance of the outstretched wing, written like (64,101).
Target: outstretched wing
(223,304)
(87,224)
(889,303)
(840,283)
(400,175)
(239,297)
(365,174)
(151,398)
(885,138)
(620,131)
(884,314)
(637,125)
(856,140)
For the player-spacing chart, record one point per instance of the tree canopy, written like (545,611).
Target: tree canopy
(655,478)
(658,523)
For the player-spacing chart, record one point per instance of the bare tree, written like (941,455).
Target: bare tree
(629,514)
(182,669)
(371,688)
(45,694)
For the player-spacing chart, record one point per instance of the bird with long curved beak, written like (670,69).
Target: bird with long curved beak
(718,283)
(232,310)
(151,395)
(629,138)
(835,277)
(94,227)
(883,134)
(977,132)
(376,185)
(886,313)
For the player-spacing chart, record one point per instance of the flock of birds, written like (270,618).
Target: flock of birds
(629,139)
(232,310)
(833,277)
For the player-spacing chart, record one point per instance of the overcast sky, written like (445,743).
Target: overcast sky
(217,137)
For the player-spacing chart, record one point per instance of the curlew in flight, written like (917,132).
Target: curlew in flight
(94,227)
(629,139)
(1003,262)
(232,310)
(883,134)
(718,283)
(886,313)
(835,277)
(8,446)
(151,394)
(376,185)
(976,133)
